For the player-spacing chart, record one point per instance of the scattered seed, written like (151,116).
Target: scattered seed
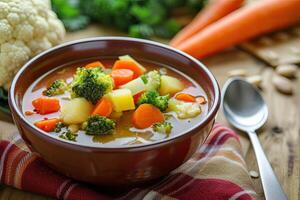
(295,50)
(277,129)
(237,72)
(287,70)
(254,174)
(28,113)
(282,84)
(255,80)
(270,55)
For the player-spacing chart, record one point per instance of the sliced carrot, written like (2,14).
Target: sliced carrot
(146,115)
(137,96)
(94,65)
(128,64)
(103,108)
(243,24)
(185,97)
(47,125)
(213,12)
(44,105)
(122,76)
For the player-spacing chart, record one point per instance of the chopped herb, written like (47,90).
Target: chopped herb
(67,135)
(59,126)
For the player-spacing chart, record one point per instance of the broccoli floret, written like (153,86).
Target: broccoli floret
(65,132)
(153,97)
(56,88)
(68,135)
(98,125)
(58,127)
(183,109)
(164,127)
(152,80)
(91,84)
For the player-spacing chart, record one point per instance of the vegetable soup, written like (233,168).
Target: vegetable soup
(114,102)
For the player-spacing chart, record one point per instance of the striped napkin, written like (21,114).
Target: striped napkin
(216,171)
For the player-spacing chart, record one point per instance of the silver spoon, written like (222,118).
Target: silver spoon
(246,110)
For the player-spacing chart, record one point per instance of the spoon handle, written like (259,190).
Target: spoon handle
(271,186)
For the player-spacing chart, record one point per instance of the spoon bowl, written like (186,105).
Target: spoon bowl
(243,105)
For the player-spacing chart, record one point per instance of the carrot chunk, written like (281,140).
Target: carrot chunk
(122,76)
(185,97)
(47,125)
(44,105)
(103,108)
(146,115)
(128,64)
(94,65)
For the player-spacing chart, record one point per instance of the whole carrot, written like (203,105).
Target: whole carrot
(213,12)
(245,23)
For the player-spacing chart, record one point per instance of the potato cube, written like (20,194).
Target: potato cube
(76,111)
(122,100)
(170,85)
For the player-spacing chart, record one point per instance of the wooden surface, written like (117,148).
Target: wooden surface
(282,149)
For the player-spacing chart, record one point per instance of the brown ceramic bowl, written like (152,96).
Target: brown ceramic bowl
(124,165)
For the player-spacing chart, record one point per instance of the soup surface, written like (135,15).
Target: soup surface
(110,102)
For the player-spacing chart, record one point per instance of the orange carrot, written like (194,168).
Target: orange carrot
(44,105)
(247,22)
(122,76)
(94,65)
(146,115)
(103,108)
(47,125)
(185,97)
(128,64)
(213,12)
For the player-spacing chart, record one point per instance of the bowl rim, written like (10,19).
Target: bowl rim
(209,117)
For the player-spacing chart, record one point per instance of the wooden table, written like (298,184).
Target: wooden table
(280,137)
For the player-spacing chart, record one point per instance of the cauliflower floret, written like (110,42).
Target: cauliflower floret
(183,109)
(27,27)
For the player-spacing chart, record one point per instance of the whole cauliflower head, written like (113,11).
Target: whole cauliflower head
(27,27)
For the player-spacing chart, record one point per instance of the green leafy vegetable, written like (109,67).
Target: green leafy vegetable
(139,18)
(70,14)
